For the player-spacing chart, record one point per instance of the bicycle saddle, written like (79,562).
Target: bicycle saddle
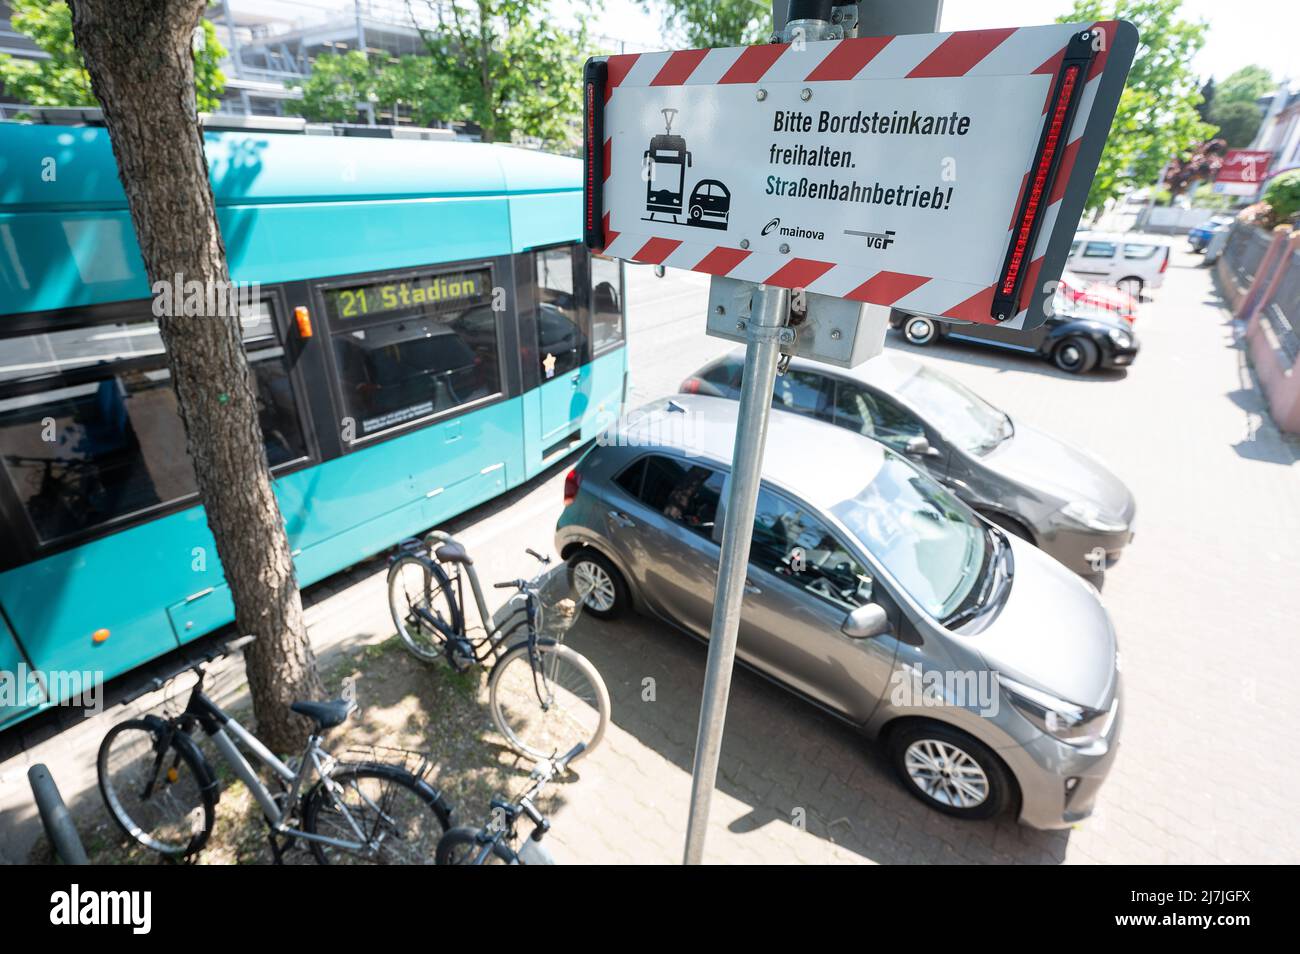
(453,553)
(327,714)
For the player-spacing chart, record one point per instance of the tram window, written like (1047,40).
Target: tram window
(438,351)
(606,304)
(89,427)
(562,343)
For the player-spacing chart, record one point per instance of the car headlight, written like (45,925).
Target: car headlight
(1089,515)
(1120,338)
(1072,724)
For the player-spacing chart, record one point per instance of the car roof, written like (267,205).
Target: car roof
(821,463)
(885,372)
(1130,238)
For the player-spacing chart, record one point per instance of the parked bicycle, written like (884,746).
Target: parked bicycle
(161,790)
(493,842)
(544,697)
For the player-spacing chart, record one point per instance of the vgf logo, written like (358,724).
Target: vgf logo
(880,240)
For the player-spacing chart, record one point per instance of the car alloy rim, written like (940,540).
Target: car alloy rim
(919,330)
(1070,355)
(946,774)
(596,583)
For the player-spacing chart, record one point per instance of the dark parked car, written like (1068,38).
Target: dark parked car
(1028,482)
(1078,337)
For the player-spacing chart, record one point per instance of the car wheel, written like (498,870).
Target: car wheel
(950,771)
(696,213)
(920,331)
(1075,355)
(607,595)
(1132,285)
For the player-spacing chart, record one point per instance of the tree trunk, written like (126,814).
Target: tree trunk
(141,68)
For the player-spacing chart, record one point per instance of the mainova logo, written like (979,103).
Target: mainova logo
(792,231)
(77,907)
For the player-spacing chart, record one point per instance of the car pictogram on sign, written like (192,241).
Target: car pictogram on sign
(710,204)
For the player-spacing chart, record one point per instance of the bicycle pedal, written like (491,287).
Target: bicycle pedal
(460,654)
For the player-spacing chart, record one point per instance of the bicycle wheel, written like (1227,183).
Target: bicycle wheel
(424,607)
(164,799)
(382,814)
(546,712)
(461,846)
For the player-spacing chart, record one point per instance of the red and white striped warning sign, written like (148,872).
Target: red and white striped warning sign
(925,171)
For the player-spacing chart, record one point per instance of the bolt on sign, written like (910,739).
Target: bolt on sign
(940,173)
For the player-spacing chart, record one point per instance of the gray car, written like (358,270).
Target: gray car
(988,671)
(1027,482)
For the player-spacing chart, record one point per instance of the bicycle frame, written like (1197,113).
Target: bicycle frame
(221,727)
(492,634)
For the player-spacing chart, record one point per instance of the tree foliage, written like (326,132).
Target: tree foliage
(1202,165)
(715,23)
(341,83)
(1283,196)
(337,84)
(1157,117)
(1235,110)
(1237,121)
(508,68)
(1246,85)
(62,79)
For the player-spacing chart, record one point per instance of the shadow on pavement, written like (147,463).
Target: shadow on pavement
(785,759)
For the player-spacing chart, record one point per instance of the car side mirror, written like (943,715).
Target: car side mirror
(659,271)
(919,447)
(866,621)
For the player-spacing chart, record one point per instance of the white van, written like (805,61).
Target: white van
(1133,262)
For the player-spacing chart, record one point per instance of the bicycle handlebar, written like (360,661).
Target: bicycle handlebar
(569,756)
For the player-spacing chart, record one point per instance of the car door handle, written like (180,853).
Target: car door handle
(751,588)
(622,519)
(574,382)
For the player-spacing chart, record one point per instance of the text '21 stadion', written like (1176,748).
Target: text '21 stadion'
(942,173)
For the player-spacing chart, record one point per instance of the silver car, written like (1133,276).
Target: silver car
(988,671)
(1027,482)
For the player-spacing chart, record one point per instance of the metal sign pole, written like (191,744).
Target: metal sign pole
(769,313)
(768,316)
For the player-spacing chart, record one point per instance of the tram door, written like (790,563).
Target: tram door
(563,341)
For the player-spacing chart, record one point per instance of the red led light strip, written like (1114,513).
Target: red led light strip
(1039,184)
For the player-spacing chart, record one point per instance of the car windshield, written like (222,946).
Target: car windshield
(961,415)
(931,543)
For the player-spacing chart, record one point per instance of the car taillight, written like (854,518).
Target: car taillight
(690,386)
(572,481)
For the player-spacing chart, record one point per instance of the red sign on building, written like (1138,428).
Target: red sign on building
(1244,165)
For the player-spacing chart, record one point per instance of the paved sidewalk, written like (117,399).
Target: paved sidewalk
(1205,601)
